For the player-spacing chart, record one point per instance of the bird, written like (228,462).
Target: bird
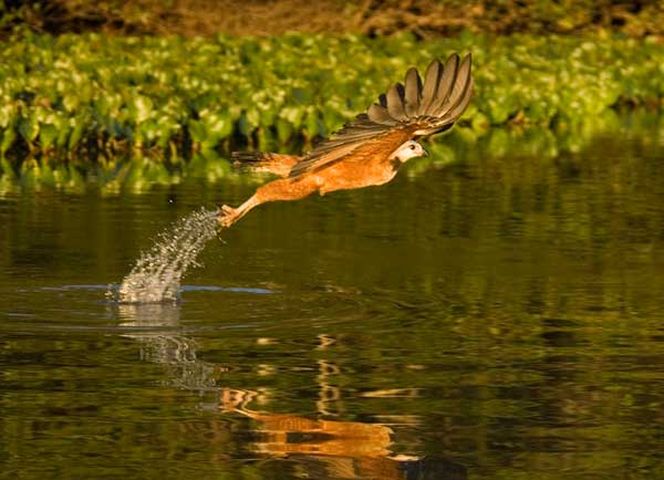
(369,150)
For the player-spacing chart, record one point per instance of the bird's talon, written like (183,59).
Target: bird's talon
(227,216)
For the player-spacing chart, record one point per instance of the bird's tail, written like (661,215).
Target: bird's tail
(275,163)
(247,158)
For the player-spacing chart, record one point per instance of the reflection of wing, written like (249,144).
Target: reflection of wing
(414,109)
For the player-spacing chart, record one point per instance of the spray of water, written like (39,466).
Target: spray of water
(157,274)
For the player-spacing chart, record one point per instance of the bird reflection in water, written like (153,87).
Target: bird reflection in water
(333,448)
(319,448)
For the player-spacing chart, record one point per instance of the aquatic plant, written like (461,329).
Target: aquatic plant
(91,93)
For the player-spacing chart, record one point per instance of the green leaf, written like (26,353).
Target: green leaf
(141,108)
(76,135)
(284,130)
(28,129)
(47,135)
(8,137)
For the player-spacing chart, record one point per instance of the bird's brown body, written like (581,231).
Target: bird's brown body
(368,151)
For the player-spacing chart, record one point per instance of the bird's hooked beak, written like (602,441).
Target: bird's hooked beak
(425,153)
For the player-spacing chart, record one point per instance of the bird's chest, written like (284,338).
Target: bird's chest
(344,176)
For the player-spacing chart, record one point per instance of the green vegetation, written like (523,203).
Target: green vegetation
(68,95)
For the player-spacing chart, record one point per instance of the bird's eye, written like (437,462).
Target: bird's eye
(412,147)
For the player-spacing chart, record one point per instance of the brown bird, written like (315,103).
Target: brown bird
(370,149)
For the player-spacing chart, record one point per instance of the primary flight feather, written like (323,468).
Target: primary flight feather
(369,150)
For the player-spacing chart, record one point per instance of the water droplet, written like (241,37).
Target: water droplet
(157,273)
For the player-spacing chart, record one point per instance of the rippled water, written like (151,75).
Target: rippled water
(501,317)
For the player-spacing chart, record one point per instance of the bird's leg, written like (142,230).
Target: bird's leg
(229,215)
(283,189)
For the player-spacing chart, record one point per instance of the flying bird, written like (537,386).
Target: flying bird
(370,149)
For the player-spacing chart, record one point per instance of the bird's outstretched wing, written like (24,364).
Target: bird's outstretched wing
(412,110)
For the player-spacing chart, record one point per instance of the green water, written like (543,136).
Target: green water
(500,317)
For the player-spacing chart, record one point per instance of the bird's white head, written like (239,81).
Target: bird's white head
(408,150)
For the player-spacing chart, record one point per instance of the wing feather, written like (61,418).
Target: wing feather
(445,84)
(456,110)
(395,102)
(431,79)
(324,158)
(382,99)
(457,89)
(413,87)
(383,144)
(407,111)
(379,114)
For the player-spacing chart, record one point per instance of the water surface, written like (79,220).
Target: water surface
(497,318)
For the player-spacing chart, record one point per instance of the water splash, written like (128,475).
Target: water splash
(157,274)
